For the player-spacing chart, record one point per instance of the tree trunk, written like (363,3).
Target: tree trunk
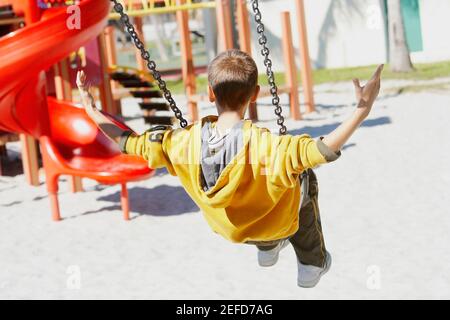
(399,57)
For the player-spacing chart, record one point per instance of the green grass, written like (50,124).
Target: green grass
(426,71)
(422,72)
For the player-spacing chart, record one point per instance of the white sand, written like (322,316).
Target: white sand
(385,206)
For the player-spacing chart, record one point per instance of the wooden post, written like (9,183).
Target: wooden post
(139,26)
(245,43)
(110,41)
(106,95)
(124,199)
(305,62)
(188,70)
(289,62)
(111,57)
(30,159)
(62,81)
(64,92)
(140,63)
(2,153)
(224,24)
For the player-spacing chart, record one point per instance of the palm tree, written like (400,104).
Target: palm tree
(399,57)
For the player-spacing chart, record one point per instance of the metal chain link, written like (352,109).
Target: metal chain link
(151,65)
(268,63)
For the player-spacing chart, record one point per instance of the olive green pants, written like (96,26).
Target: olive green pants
(308,241)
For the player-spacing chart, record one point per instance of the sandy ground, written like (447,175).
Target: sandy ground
(385,209)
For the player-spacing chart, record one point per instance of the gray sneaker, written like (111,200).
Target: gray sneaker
(309,276)
(268,258)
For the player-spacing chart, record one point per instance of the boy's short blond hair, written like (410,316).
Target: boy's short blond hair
(233,77)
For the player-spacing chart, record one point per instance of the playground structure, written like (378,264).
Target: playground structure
(70,143)
(141,8)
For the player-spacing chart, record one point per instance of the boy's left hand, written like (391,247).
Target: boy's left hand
(81,80)
(86,97)
(366,95)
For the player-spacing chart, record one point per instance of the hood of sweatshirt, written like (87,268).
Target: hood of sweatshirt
(222,161)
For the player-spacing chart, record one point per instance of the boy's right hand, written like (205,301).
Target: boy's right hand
(366,95)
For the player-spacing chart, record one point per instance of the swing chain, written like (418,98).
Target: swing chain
(268,63)
(151,65)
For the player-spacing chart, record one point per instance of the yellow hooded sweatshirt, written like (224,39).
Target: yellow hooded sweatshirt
(257,195)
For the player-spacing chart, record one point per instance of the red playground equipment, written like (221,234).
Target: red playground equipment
(70,142)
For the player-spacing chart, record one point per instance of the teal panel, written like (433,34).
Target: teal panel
(413,27)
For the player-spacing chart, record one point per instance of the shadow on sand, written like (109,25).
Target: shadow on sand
(327,128)
(161,201)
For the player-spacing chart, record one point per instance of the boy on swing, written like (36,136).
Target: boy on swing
(252,186)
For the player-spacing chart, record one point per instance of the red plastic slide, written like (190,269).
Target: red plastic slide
(27,52)
(71,144)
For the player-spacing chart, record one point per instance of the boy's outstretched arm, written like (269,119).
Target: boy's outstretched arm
(106,125)
(148,145)
(366,97)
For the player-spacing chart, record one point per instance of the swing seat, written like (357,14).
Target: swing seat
(76,147)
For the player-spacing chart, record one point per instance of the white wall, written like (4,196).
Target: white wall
(435,16)
(347,33)
(342,33)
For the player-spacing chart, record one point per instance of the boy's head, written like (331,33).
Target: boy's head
(233,80)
